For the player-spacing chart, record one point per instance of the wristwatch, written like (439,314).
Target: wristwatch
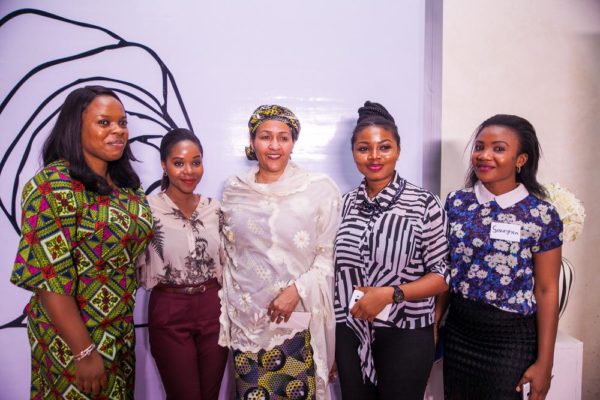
(398,296)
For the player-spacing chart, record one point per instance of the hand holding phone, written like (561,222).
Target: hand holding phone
(525,390)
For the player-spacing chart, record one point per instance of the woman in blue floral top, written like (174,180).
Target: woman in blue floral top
(505,243)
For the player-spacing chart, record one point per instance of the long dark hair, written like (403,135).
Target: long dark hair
(374,114)
(64,143)
(528,144)
(171,139)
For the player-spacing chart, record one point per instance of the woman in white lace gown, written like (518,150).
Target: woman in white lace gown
(280,224)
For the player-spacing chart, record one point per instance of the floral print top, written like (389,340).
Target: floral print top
(184,251)
(492,243)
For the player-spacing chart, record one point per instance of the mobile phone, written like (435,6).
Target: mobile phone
(525,389)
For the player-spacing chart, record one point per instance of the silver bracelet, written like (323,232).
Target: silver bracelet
(84,353)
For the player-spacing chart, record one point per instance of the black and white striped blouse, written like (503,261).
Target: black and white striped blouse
(394,238)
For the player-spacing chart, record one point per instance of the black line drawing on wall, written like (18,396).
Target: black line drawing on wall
(62,54)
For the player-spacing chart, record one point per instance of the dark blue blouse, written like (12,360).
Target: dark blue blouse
(492,242)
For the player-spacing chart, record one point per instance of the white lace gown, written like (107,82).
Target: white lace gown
(275,235)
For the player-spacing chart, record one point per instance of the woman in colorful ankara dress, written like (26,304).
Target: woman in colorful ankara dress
(277,308)
(181,267)
(392,248)
(505,243)
(84,222)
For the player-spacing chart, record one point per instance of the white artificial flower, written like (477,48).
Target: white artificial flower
(472,207)
(460,234)
(534,212)
(477,242)
(466,259)
(505,280)
(512,260)
(514,247)
(569,208)
(490,295)
(468,251)
(453,272)
(486,221)
(485,211)
(457,202)
(482,274)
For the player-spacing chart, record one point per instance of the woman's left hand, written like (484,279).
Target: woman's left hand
(284,304)
(539,378)
(371,304)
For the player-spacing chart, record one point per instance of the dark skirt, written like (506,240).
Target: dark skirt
(486,352)
(285,372)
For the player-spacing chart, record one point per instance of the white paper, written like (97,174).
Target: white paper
(298,320)
(508,232)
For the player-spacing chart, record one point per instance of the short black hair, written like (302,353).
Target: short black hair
(64,143)
(171,139)
(528,144)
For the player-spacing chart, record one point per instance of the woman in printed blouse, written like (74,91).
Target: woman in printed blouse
(280,223)
(181,267)
(84,222)
(501,327)
(392,247)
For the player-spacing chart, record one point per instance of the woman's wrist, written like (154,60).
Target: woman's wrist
(84,353)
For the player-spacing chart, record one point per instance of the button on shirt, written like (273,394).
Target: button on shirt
(394,238)
(488,264)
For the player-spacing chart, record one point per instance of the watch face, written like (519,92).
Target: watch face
(398,294)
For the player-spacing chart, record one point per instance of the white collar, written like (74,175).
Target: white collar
(504,200)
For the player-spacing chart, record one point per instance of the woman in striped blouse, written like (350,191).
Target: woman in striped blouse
(391,247)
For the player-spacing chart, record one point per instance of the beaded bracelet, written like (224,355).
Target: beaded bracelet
(84,353)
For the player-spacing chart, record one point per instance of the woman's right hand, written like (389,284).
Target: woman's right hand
(90,375)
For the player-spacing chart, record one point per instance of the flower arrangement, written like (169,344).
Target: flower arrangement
(569,208)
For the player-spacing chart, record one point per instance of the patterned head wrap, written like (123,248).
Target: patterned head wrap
(278,113)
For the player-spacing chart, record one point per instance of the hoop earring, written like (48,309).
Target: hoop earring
(164,173)
(518,169)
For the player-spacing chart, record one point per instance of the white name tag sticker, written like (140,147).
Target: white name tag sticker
(508,232)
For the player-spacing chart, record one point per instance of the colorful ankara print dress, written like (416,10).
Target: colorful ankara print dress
(78,243)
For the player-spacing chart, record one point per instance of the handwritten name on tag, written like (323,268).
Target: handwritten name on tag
(508,232)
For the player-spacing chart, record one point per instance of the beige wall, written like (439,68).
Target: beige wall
(539,59)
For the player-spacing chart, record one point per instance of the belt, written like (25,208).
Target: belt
(201,288)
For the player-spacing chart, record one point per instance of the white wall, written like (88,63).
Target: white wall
(322,59)
(539,59)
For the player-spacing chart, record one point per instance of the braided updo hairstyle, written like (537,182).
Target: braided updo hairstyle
(375,114)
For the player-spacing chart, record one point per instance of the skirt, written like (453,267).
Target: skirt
(285,372)
(486,352)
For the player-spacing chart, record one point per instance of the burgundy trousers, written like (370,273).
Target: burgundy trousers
(183,331)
